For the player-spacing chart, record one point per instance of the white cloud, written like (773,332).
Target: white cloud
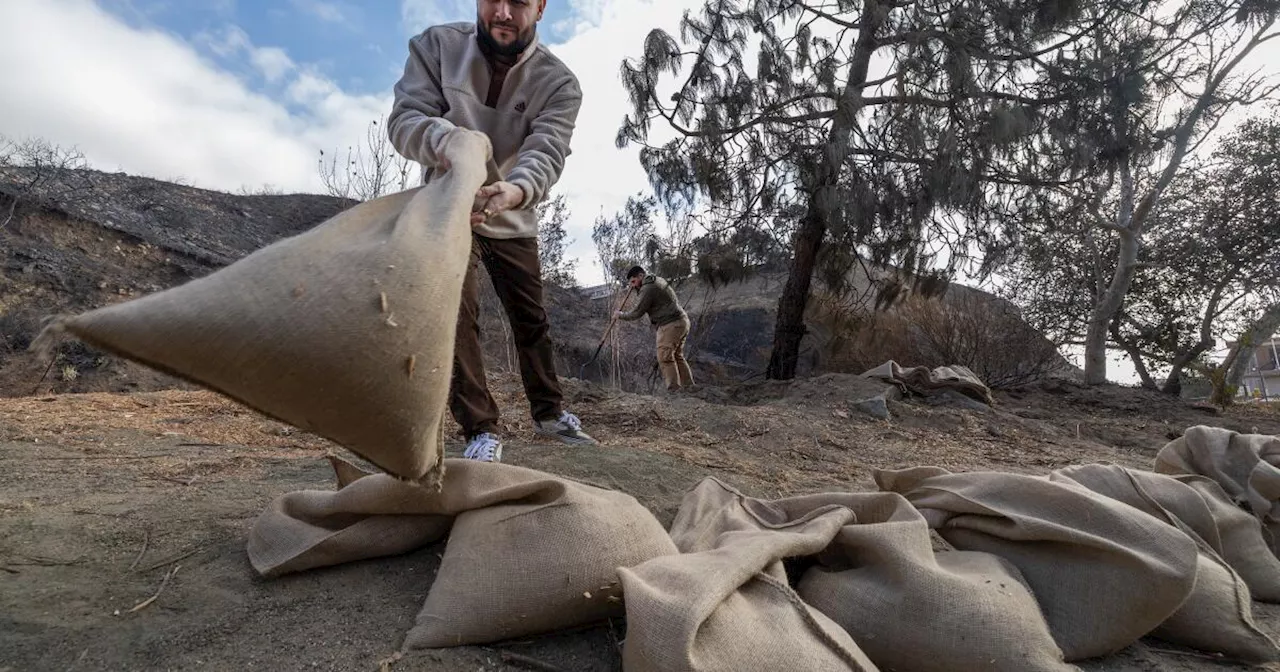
(598,177)
(272,62)
(417,15)
(233,42)
(147,103)
(325,11)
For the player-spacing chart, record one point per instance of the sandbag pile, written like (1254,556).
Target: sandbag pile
(1048,570)
(1245,466)
(346,330)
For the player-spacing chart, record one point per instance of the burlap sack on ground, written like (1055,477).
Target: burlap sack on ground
(911,610)
(532,553)
(724,604)
(528,552)
(925,381)
(369,517)
(1104,573)
(1243,545)
(1218,616)
(1200,507)
(1245,465)
(346,330)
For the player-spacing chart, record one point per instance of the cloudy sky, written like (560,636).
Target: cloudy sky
(238,93)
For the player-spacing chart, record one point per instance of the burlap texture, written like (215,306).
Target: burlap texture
(1200,507)
(925,381)
(724,604)
(1218,616)
(1244,545)
(910,609)
(532,554)
(1104,573)
(528,552)
(1244,465)
(346,330)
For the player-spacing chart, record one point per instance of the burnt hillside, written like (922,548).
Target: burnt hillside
(74,240)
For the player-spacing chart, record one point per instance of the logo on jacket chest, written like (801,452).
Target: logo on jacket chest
(521,107)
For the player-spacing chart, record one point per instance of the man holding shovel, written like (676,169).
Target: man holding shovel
(659,301)
(493,76)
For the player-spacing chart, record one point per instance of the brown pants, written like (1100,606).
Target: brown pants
(675,370)
(517,278)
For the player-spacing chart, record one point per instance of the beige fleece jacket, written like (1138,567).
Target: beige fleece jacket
(445,82)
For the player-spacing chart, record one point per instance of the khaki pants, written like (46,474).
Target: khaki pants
(675,370)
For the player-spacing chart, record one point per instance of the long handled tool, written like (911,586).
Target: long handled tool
(625,297)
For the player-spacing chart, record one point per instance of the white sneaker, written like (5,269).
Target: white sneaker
(568,429)
(484,448)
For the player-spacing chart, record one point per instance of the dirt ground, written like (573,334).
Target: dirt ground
(107,501)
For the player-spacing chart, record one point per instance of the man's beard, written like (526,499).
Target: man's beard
(514,49)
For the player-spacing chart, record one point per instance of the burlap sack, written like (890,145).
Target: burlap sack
(369,517)
(528,552)
(1199,507)
(910,609)
(724,604)
(533,553)
(1218,616)
(1245,465)
(346,330)
(1243,544)
(1104,573)
(925,381)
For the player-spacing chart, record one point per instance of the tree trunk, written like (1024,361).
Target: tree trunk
(1095,340)
(1135,355)
(790,329)
(1237,361)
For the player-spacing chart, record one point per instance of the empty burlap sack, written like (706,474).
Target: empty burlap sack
(724,604)
(1244,546)
(1218,616)
(346,330)
(1200,507)
(1104,573)
(910,609)
(925,381)
(528,552)
(368,517)
(531,553)
(1245,465)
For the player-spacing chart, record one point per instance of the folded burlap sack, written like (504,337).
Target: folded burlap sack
(1244,465)
(911,609)
(724,604)
(1218,616)
(528,553)
(1105,574)
(1244,545)
(346,330)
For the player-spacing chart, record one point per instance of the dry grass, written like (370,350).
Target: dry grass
(197,416)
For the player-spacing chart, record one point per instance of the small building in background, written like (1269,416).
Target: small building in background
(1262,377)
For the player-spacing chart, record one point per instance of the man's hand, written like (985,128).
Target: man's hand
(497,197)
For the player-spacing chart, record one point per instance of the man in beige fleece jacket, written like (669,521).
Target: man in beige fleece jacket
(493,76)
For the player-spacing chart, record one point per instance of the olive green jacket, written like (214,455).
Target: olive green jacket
(658,300)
